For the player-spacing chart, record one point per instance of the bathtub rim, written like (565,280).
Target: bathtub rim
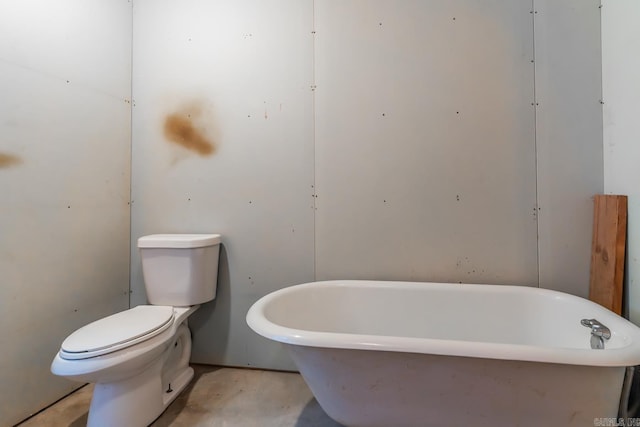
(628,355)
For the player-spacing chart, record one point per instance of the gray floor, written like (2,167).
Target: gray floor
(215,397)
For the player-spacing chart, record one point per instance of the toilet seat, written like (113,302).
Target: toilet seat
(118,331)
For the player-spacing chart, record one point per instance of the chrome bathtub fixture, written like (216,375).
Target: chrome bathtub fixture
(599,332)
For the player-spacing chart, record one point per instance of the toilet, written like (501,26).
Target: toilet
(139,358)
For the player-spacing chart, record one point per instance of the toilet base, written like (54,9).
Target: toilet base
(139,400)
(118,404)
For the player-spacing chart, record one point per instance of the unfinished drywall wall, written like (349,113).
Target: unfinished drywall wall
(621,97)
(64,181)
(223,143)
(568,138)
(425,165)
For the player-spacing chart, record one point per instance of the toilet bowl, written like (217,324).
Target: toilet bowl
(139,358)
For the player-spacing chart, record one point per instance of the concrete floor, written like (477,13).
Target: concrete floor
(216,397)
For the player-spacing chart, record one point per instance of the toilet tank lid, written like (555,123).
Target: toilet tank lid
(178,241)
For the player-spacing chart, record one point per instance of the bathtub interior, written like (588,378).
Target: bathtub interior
(442,311)
(474,320)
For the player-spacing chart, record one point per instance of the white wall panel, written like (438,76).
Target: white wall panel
(621,94)
(85,42)
(425,151)
(239,73)
(569,138)
(64,181)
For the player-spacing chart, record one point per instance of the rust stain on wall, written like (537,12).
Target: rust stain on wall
(9,160)
(188,129)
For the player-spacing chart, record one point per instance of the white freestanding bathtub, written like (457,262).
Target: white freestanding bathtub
(435,354)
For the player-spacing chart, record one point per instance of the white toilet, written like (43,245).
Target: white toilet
(139,358)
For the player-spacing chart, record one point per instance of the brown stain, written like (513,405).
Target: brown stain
(179,129)
(9,160)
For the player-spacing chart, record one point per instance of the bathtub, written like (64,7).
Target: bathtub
(435,354)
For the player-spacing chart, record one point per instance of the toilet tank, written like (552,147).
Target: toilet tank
(180,269)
